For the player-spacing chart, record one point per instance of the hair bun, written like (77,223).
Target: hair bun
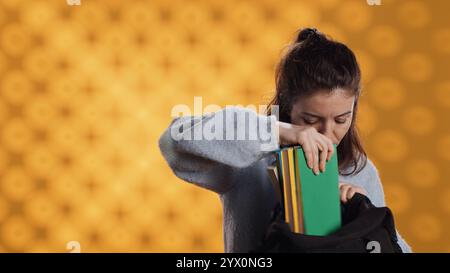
(308,34)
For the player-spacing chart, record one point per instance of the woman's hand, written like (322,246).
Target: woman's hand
(317,147)
(347,191)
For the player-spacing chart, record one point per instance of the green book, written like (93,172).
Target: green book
(318,195)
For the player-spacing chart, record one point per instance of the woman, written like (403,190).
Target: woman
(318,84)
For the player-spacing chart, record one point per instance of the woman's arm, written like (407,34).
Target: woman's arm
(204,149)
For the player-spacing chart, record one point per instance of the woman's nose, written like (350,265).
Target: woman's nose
(327,130)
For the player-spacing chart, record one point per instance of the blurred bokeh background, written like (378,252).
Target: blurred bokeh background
(86,91)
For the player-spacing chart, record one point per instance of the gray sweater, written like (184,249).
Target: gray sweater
(236,170)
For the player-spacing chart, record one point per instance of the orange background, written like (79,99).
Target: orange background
(86,91)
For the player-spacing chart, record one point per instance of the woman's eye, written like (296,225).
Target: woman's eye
(309,121)
(341,121)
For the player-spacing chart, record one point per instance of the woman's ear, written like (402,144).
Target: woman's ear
(355,102)
(355,106)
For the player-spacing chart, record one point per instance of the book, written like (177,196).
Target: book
(298,192)
(273,174)
(285,176)
(311,203)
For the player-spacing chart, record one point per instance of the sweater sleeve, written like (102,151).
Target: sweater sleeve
(376,195)
(204,150)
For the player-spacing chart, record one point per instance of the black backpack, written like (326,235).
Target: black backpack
(365,229)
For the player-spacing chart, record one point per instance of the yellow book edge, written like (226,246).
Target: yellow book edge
(299,193)
(292,177)
(287,190)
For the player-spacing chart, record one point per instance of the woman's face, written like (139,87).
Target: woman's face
(330,113)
